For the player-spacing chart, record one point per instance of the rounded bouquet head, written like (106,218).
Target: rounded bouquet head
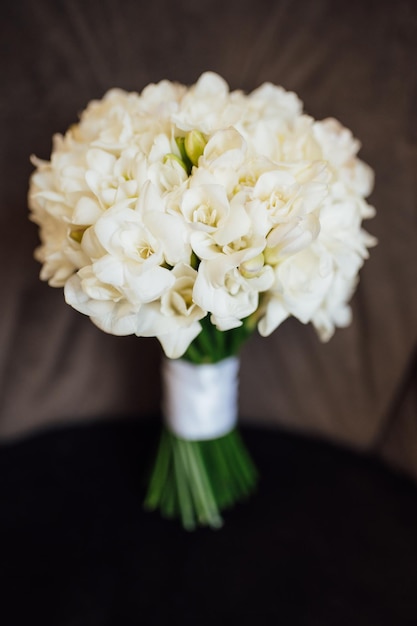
(161,209)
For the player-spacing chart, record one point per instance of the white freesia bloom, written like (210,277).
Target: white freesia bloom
(56,252)
(229,283)
(267,115)
(206,208)
(103,303)
(301,284)
(160,208)
(174,319)
(207,106)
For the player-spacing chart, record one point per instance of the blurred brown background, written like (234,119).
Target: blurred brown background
(355,61)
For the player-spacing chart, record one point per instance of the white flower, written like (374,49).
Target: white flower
(56,253)
(267,114)
(134,257)
(228,283)
(103,303)
(291,191)
(206,208)
(335,310)
(174,320)
(167,227)
(161,100)
(224,156)
(159,208)
(301,284)
(207,106)
(340,148)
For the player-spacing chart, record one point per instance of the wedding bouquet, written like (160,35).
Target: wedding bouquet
(197,215)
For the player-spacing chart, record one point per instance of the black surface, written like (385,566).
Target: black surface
(330,538)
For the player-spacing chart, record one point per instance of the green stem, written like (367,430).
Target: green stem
(206,507)
(195,480)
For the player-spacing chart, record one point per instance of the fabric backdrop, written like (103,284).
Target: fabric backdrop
(355,61)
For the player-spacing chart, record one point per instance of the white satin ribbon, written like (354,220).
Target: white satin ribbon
(200,401)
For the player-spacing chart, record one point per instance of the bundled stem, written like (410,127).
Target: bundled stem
(196,480)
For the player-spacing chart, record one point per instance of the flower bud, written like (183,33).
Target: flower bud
(173,157)
(194,145)
(252,267)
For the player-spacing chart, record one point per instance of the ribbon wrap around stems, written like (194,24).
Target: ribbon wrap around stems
(200,401)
